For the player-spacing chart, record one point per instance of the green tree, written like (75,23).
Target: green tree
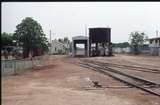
(66,42)
(121,45)
(7,39)
(137,40)
(30,36)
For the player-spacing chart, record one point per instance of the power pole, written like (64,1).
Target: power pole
(50,41)
(50,37)
(86,30)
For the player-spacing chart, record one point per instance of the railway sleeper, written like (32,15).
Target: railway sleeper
(122,80)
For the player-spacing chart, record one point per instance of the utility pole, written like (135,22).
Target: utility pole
(50,41)
(86,30)
(50,37)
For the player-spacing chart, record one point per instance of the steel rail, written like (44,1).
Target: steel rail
(126,67)
(122,73)
(115,74)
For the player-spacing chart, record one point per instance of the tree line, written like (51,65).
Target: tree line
(30,36)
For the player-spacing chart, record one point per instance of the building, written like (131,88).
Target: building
(100,41)
(154,44)
(97,44)
(58,47)
(11,52)
(80,40)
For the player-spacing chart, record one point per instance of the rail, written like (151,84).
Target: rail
(143,84)
(137,68)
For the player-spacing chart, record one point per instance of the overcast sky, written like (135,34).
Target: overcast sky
(69,18)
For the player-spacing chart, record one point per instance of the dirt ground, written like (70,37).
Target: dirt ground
(59,82)
(152,62)
(132,60)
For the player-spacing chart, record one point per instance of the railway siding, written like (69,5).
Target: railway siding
(138,82)
(142,72)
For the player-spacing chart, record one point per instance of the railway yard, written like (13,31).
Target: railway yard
(64,80)
(80,54)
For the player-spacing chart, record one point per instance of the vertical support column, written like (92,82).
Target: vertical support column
(88,48)
(73,50)
(96,49)
(103,47)
(110,49)
(86,52)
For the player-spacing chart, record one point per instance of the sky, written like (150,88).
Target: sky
(72,18)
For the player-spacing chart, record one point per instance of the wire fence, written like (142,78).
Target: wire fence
(11,67)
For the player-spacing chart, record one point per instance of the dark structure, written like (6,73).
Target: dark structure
(100,42)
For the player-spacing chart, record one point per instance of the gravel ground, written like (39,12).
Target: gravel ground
(60,83)
(140,61)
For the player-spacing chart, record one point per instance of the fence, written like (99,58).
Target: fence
(155,51)
(10,67)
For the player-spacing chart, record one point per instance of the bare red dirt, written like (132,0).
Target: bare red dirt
(60,83)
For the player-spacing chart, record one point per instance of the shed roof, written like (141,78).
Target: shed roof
(80,38)
(156,38)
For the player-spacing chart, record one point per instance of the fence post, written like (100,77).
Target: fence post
(2,67)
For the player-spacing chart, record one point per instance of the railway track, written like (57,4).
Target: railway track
(140,83)
(137,68)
